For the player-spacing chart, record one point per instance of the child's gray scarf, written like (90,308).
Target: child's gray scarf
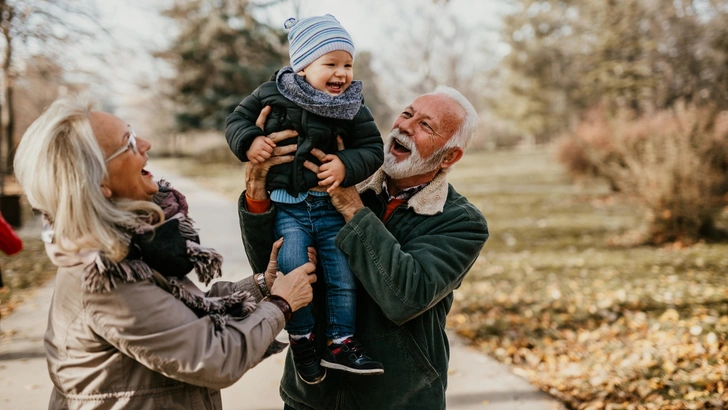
(296,89)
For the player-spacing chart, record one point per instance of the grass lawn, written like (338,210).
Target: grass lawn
(596,324)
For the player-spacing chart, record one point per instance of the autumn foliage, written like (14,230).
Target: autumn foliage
(600,327)
(673,163)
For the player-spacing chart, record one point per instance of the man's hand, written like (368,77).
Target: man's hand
(345,200)
(255,174)
(331,172)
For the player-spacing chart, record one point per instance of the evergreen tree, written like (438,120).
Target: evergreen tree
(221,54)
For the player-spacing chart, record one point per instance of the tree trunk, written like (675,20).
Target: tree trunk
(10,125)
(4,25)
(2,177)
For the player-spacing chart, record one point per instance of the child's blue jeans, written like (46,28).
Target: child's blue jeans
(315,222)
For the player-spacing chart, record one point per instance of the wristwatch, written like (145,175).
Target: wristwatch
(261,284)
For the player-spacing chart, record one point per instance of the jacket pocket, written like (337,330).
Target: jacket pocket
(409,380)
(419,361)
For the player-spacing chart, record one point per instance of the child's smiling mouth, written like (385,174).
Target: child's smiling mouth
(335,87)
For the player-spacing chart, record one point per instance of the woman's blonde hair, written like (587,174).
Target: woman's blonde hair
(61,167)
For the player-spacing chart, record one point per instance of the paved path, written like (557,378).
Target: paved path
(475,382)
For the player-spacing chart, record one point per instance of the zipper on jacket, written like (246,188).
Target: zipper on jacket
(383,206)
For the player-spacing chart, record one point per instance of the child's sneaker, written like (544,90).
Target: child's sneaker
(349,356)
(307,360)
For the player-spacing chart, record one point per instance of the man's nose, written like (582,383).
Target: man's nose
(405,126)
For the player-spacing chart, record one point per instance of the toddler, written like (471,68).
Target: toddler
(317,97)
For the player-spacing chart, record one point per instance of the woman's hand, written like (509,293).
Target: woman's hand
(271,272)
(255,174)
(295,287)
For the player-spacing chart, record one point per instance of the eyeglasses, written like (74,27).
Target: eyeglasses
(130,144)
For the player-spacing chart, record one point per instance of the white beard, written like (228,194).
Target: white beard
(414,164)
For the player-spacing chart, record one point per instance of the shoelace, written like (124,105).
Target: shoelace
(305,351)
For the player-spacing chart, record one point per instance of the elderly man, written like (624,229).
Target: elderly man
(410,238)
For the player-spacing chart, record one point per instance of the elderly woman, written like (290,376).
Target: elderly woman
(127,328)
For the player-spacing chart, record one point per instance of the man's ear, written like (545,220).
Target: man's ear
(452,157)
(105,190)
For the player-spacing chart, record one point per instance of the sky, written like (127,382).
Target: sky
(366,20)
(379,26)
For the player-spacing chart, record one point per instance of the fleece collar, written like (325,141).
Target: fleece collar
(429,201)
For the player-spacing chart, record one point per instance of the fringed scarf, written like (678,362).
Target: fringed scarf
(173,250)
(295,88)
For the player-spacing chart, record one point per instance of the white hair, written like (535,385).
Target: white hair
(468,128)
(61,167)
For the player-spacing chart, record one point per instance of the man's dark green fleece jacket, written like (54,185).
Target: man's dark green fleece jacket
(408,268)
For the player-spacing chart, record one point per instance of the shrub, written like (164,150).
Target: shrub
(591,144)
(674,163)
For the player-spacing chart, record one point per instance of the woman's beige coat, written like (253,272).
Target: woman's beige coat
(138,347)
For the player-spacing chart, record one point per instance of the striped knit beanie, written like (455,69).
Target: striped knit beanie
(312,37)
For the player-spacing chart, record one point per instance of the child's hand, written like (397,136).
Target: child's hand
(260,150)
(331,172)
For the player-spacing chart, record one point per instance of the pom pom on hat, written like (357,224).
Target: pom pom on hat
(290,23)
(312,37)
